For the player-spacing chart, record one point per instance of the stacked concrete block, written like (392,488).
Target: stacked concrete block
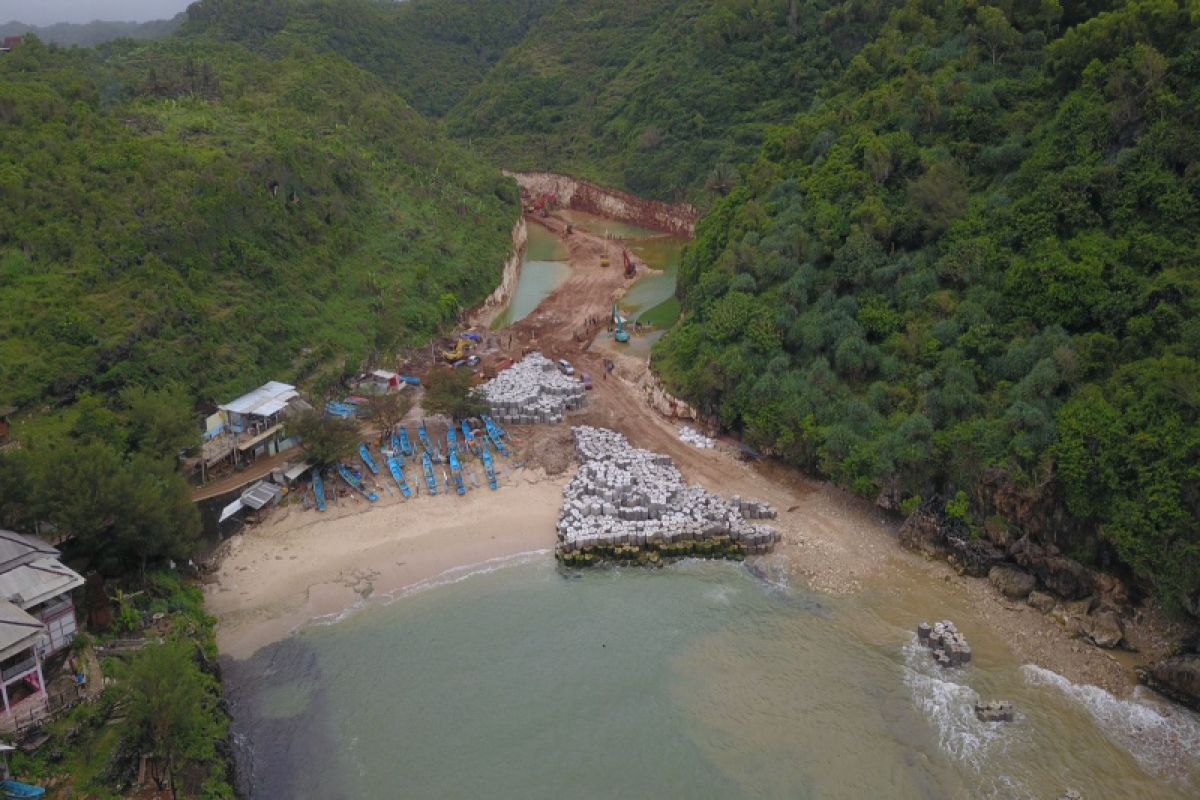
(950,648)
(689,435)
(624,496)
(994,711)
(533,391)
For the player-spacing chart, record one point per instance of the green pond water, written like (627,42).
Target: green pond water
(543,270)
(702,680)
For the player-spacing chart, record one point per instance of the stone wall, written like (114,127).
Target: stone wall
(582,195)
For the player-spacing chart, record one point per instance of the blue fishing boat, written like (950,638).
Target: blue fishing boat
(319,489)
(468,436)
(342,410)
(485,456)
(15,790)
(456,471)
(405,446)
(425,441)
(452,440)
(365,454)
(493,427)
(411,380)
(397,471)
(398,449)
(355,484)
(430,478)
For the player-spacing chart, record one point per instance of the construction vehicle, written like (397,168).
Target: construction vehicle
(544,204)
(619,332)
(459,352)
(630,267)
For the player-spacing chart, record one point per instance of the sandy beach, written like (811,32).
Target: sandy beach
(304,565)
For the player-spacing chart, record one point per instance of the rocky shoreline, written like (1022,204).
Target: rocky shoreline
(1092,606)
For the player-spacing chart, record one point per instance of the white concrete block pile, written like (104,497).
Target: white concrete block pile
(689,435)
(626,496)
(533,391)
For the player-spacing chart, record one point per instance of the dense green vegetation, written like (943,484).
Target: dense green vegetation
(977,253)
(164,699)
(197,213)
(654,96)
(90,34)
(431,52)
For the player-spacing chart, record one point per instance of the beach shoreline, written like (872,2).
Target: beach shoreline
(301,566)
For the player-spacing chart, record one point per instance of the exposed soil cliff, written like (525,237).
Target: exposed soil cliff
(583,195)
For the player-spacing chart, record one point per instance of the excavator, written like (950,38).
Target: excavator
(630,267)
(544,204)
(619,332)
(459,352)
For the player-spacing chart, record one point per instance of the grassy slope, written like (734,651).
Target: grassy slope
(142,239)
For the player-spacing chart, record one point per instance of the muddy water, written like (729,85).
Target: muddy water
(543,269)
(698,681)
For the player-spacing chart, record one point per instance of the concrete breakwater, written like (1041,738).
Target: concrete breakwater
(628,504)
(533,391)
(584,195)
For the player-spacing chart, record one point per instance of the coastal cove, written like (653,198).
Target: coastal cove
(433,644)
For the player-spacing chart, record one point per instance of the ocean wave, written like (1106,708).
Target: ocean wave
(459,574)
(950,708)
(1163,739)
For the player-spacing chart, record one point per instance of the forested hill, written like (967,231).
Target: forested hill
(193,212)
(430,52)
(971,270)
(90,34)
(660,97)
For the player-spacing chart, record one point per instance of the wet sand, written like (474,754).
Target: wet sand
(302,565)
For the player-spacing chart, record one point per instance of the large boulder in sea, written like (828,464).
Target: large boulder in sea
(1178,678)
(1063,576)
(1012,582)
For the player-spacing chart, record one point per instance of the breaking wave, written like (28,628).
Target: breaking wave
(1163,739)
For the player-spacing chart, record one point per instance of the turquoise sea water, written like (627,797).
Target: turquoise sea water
(698,681)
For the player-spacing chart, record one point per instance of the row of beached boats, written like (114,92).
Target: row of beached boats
(474,442)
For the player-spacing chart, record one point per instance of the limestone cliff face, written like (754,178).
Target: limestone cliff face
(583,195)
(662,401)
(512,273)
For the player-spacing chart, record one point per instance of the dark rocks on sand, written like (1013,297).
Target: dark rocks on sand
(1104,628)
(1043,602)
(1063,576)
(1178,678)
(1013,582)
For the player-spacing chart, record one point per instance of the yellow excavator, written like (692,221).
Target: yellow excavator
(459,352)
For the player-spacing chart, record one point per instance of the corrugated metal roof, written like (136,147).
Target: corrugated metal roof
(34,583)
(260,494)
(18,630)
(267,399)
(231,509)
(296,470)
(17,548)
(384,374)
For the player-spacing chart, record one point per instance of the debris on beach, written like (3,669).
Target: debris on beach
(689,435)
(950,648)
(533,391)
(631,504)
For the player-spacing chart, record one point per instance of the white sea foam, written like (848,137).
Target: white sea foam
(1164,739)
(950,708)
(448,578)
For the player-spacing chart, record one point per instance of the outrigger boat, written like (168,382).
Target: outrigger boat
(365,454)
(496,435)
(425,441)
(405,446)
(452,440)
(355,484)
(398,449)
(319,489)
(397,470)
(468,437)
(430,478)
(456,471)
(485,456)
